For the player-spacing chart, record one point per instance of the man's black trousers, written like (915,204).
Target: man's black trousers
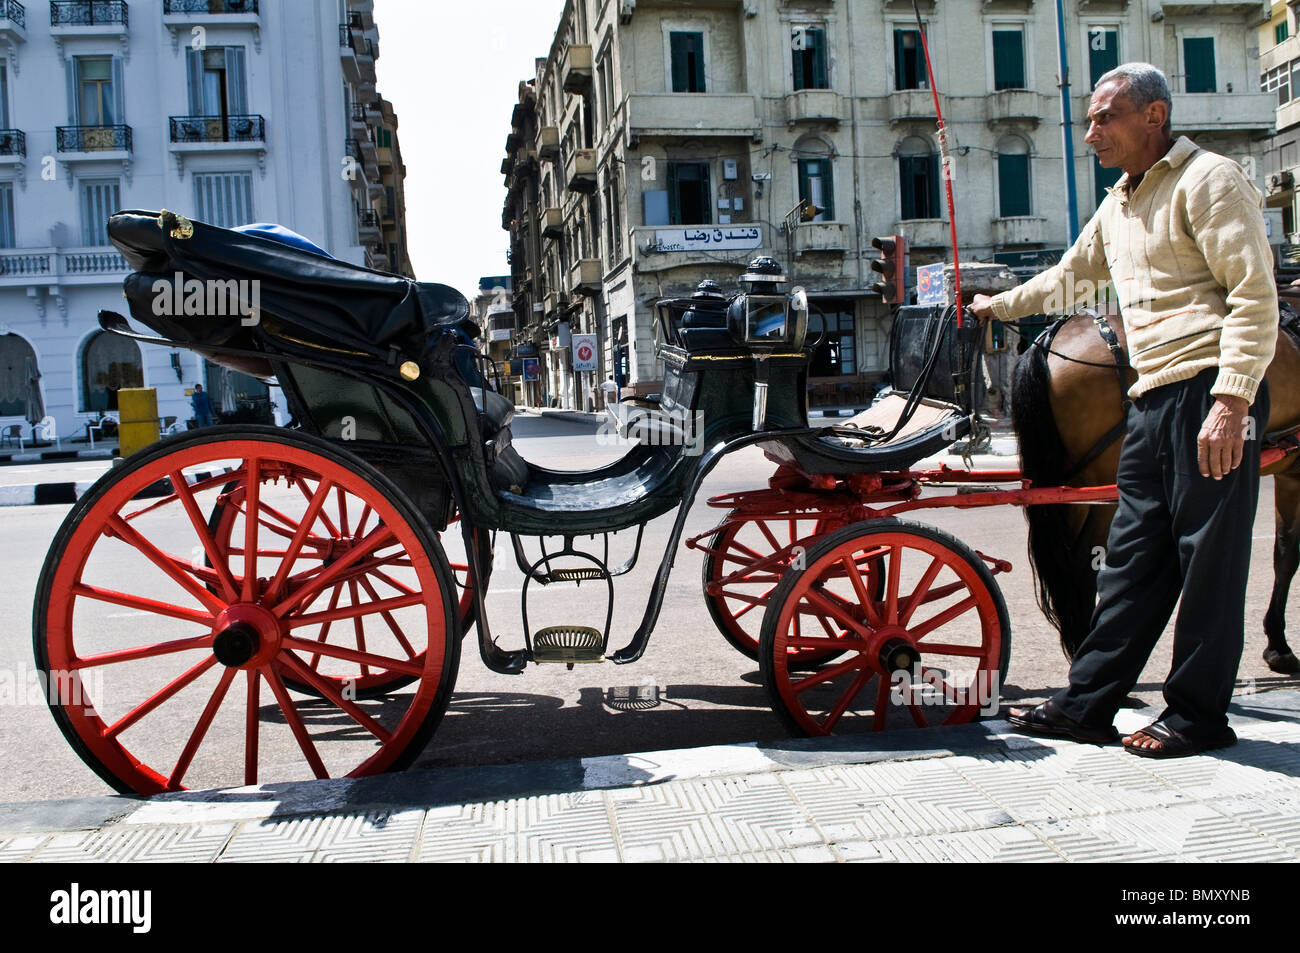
(1175,533)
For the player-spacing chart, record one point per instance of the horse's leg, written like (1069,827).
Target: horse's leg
(1286,559)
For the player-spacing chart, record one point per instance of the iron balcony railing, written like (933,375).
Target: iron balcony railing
(93,138)
(358,112)
(218,129)
(87,12)
(13,142)
(201,7)
(354,150)
(345,37)
(14,12)
(367,218)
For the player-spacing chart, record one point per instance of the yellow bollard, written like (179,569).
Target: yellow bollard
(138,409)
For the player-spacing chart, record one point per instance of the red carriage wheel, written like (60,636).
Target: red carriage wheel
(743,564)
(931,649)
(343,519)
(165,657)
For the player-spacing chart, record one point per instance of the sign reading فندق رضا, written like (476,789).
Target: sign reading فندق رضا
(709,238)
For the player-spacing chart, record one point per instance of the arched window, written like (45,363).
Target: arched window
(1013,177)
(108,363)
(816,177)
(18,379)
(918,178)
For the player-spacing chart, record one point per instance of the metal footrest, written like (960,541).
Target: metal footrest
(575,575)
(568,644)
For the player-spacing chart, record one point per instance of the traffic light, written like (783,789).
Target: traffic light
(892,266)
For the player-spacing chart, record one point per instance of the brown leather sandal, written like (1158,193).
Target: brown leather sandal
(1046,719)
(1175,744)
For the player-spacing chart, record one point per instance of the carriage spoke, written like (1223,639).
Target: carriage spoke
(922,587)
(143,604)
(826,674)
(358,627)
(377,538)
(822,605)
(201,729)
(847,643)
(770,536)
(842,705)
(918,716)
(860,590)
(251,501)
(219,565)
(252,725)
(943,618)
(936,648)
(363,519)
(294,721)
(388,618)
(176,569)
(322,515)
(895,563)
(405,666)
(315,502)
(153,701)
(325,629)
(144,651)
(881,713)
(354,611)
(335,697)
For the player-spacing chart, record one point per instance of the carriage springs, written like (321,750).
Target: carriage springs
(179,296)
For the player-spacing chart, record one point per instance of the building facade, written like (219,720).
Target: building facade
(228,111)
(1279,77)
(663,142)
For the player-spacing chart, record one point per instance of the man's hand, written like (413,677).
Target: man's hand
(982,307)
(1222,437)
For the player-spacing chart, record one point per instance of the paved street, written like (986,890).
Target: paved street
(709,694)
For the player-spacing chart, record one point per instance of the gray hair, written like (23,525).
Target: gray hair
(1146,85)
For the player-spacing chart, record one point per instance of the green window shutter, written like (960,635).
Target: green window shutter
(817,47)
(800,62)
(907,59)
(679,44)
(1013,185)
(1103,53)
(1198,58)
(674,197)
(1008,59)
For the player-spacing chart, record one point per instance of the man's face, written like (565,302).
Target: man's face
(1119,134)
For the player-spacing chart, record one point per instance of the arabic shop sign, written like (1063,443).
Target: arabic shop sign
(708,239)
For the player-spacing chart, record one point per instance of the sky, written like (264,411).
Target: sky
(451,69)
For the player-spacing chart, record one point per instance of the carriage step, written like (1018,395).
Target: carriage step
(575,575)
(569,644)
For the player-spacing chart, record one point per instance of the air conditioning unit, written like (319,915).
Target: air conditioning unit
(1281,182)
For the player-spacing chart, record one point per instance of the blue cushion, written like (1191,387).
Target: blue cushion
(278,233)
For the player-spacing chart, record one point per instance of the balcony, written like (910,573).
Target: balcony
(56,267)
(74,140)
(1013,105)
(548,142)
(1224,112)
(359,120)
(13,146)
(908,105)
(501,325)
(217,129)
(180,16)
(693,114)
(369,230)
(13,25)
(1216,7)
(93,14)
(580,171)
(348,53)
(585,277)
(1019,230)
(813,105)
(924,232)
(575,69)
(552,223)
(828,237)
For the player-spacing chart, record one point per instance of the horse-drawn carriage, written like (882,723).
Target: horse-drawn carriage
(243,604)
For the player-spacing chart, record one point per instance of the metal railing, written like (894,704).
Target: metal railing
(358,112)
(353,148)
(367,218)
(87,12)
(218,128)
(15,12)
(52,263)
(345,37)
(93,263)
(93,138)
(13,142)
(209,7)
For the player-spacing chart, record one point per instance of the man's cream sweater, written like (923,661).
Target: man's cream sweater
(1191,267)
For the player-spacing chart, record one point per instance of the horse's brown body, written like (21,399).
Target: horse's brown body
(1085,403)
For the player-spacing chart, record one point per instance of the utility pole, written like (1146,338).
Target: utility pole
(1067,129)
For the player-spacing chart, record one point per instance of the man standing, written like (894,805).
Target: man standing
(202,405)
(610,390)
(1181,238)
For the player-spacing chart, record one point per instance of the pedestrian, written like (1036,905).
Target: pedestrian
(202,405)
(610,390)
(1181,238)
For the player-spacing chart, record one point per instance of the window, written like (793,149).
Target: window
(1104,178)
(109,362)
(816,186)
(19,380)
(100,198)
(96,100)
(1103,52)
(689,196)
(1013,177)
(836,352)
(687,50)
(216,81)
(808,45)
(1008,58)
(224,199)
(4,96)
(1280,32)
(1198,64)
(909,64)
(918,175)
(7,215)
(1279,79)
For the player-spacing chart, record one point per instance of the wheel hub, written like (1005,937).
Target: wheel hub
(897,654)
(245,636)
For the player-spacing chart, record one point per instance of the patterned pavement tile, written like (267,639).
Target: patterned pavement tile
(464,833)
(371,836)
(19,846)
(562,827)
(1188,832)
(190,843)
(999,844)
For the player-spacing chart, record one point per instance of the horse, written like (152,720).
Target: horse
(1079,377)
